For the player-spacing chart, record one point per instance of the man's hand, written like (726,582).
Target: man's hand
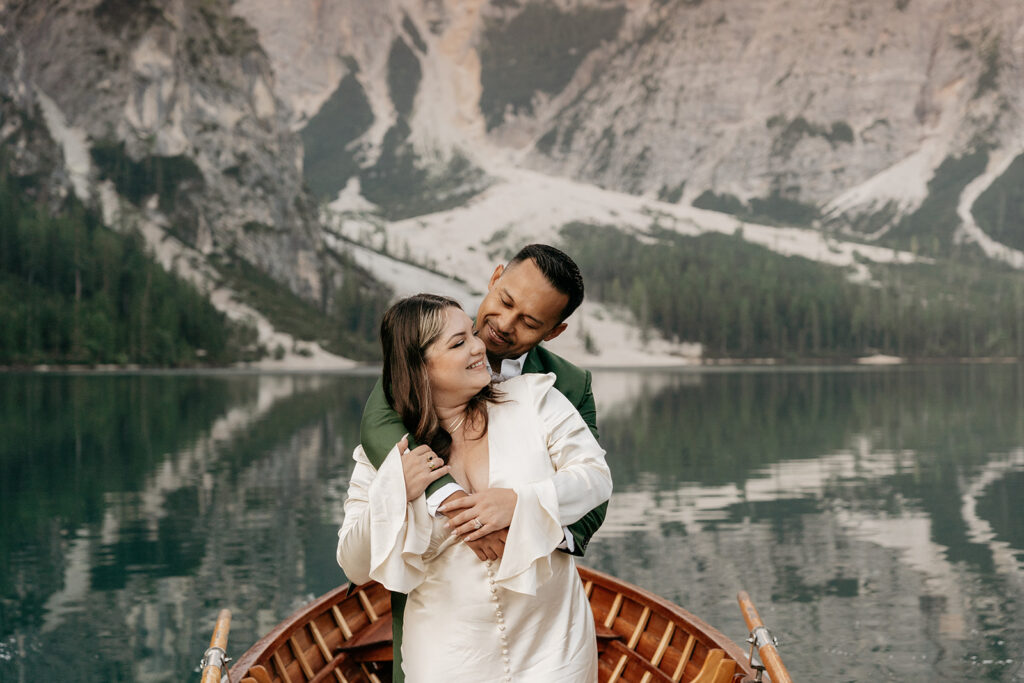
(420,467)
(489,546)
(478,514)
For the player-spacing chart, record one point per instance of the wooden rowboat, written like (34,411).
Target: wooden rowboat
(345,636)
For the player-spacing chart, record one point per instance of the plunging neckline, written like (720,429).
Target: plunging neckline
(468,486)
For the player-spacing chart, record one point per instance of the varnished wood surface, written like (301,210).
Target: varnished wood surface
(345,636)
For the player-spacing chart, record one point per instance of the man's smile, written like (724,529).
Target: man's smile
(494,336)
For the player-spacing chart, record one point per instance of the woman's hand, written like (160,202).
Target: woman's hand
(481,513)
(420,466)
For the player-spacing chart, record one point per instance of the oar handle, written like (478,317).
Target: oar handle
(762,639)
(216,657)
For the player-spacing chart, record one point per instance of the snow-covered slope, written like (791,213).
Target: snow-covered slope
(524,206)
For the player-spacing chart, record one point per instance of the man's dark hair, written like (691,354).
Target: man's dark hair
(560,270)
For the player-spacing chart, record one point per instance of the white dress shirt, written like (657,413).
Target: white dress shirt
(510,367)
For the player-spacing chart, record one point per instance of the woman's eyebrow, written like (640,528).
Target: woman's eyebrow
(456,335)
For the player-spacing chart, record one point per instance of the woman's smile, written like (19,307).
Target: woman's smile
(454,346)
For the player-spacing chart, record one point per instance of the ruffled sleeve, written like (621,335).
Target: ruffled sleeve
(383,537)
(578,481)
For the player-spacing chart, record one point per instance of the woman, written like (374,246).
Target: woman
(535,468)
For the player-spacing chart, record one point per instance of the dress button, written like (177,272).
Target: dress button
(494,597)
(498,613)
(501,627)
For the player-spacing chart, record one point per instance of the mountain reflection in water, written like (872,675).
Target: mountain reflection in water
(871,514)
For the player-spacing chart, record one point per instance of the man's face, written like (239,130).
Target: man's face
(521,310)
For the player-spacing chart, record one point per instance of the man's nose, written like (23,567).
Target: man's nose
(505,322)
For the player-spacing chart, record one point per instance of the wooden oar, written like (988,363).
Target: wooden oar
(763,640)
(215,656)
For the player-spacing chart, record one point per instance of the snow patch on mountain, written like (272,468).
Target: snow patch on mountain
(525,206)
(999,161)
(74,144)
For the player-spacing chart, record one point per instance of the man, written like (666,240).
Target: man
(526,303)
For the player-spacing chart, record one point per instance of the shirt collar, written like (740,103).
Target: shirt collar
(510,367)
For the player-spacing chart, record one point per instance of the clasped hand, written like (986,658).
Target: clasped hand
(492,507)
(475,515)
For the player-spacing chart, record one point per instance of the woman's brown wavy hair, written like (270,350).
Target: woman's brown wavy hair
(407,330)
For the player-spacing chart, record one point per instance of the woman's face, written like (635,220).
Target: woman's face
(456,364)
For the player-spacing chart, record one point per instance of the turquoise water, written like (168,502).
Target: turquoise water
(873,515)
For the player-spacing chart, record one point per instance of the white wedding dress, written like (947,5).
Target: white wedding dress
(524,618)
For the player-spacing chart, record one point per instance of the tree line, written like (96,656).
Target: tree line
(742,300)
(74,291)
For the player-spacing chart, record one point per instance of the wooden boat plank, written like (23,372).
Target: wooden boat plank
(663,642)
(676,659)
(636,666)
(321,644)
(282,671)
(704,632)
(377,633)
(258,675)
(713,671)
(300,648)
(339,619)
(605,633)
(620,666)
(651,637)
(346,636)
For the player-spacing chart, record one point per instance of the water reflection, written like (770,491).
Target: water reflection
(861,504)
(873,515)
(134,506)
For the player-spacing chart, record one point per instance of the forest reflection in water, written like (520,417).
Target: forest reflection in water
(872,514)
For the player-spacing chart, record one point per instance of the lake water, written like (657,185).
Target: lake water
(875,516)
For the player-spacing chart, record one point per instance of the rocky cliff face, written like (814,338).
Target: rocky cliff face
(787,110)
(793,112)
(800,99)
(164,111)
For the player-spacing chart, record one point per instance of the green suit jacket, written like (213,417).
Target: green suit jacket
(382,428)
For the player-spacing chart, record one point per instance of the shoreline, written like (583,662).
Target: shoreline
(366,369)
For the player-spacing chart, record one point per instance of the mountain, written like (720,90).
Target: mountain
(834,114)
(348,149)
(163,117)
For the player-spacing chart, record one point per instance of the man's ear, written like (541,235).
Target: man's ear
(494,276)
(559,329)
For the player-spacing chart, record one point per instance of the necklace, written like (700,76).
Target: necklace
(457,423)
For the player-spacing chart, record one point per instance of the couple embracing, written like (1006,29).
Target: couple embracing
(478,477)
